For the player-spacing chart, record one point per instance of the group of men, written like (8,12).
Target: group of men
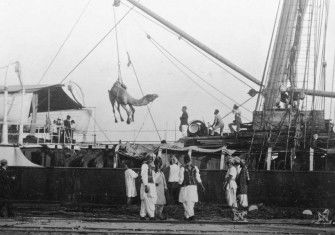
(62,131)
(236,188)
(218,124)
(182,186)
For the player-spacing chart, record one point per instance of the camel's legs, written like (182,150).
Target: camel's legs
(132,111)
(113,103)
(129,119)
(112,100)
(118,109)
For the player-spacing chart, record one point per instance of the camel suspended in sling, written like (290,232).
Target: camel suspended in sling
(119,95)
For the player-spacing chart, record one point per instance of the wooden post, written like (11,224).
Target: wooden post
(34,105)
(268,159)
(222,160)
(311,159)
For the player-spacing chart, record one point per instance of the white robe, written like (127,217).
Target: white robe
(148,200)
(231,187)
(188,195)
(130,177)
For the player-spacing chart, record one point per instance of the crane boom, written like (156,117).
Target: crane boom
(196,42)
(214,54)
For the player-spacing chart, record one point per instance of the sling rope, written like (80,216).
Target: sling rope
(139,85)
(190,44)
(117,49)
(64,42)
(197,75)
(97,44)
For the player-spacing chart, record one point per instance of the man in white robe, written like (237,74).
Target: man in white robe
(148,192)
(130,177)
(230,186)
(188,178)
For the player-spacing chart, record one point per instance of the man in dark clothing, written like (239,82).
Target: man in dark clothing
(183,122)
(67,126)
(242,181)
(5,190)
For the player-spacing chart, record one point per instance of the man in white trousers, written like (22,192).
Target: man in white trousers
(148,192)
(188,179)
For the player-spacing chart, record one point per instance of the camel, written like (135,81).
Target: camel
(119,95)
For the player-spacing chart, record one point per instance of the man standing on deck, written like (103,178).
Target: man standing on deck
(183,122)
(237,121)
(148,192)
(5,189)
(189,177)
(218,122)
(67,126)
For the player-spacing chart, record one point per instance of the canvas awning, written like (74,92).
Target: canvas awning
(50,97)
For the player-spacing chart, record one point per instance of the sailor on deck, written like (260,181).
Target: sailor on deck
(237,121)
(184,122)
(148,192)
(218,122)
(188,178)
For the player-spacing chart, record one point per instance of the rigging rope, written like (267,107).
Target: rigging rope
(187,75)
(264,74)
(190,44)
(97,44)
(140,130)
(139,84)
(64,42)
(331,104)
(197,75)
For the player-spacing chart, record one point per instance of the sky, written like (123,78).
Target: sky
(32,31)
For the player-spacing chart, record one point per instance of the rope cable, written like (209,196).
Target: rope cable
(96,45)
(188,76)
(117,49)
(139,84)
(197,75)
(190,44)
(64,42)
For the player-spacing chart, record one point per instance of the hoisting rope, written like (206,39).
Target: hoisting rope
(161,50)
(97,44)
(197,75)
(190,44)
(131,64)
(117,49)
(65,40)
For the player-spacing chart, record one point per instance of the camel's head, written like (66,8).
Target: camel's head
(150,97)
